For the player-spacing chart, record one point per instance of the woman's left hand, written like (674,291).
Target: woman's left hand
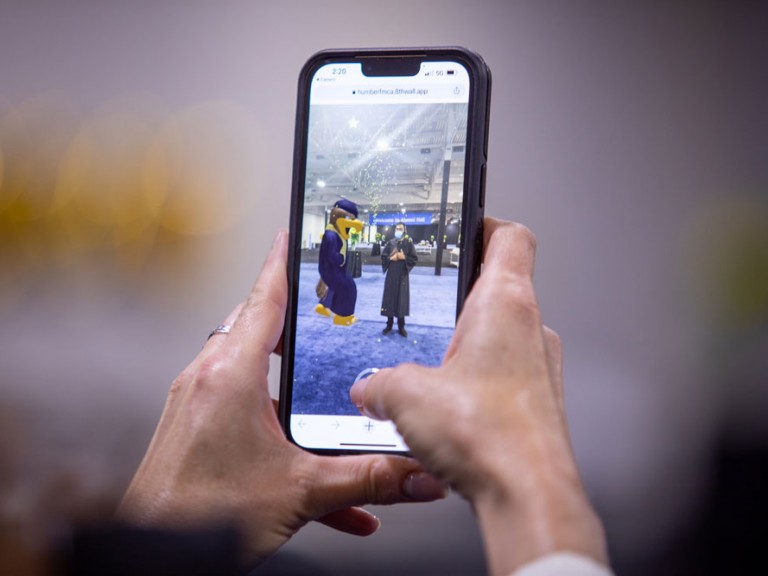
(219,453)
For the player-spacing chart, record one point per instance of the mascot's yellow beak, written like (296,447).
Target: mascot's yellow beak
(344,225)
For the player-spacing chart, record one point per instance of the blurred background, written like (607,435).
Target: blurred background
(145,165)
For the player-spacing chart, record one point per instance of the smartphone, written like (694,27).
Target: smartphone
(385,232)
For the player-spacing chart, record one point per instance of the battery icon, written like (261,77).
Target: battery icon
(451,72)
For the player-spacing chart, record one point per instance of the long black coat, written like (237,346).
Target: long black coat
(396,301)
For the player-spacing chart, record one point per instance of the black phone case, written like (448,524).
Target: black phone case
(473,200)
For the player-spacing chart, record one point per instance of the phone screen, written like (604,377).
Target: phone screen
(380,240)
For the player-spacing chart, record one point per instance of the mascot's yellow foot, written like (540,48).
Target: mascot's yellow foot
(344,320)
(322,310)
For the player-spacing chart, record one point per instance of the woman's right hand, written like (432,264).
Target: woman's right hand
(490,420)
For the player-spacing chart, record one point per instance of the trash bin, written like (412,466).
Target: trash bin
(354,264)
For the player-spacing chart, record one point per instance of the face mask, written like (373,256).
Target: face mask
(398,234)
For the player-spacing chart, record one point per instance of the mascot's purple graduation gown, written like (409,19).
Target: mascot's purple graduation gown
(342,292)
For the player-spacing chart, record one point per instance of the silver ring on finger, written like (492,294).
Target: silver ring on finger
(220,329)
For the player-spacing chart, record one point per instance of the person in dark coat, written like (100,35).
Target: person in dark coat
(397,260)
(336,289)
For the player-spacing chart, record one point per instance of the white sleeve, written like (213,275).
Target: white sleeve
(563,564)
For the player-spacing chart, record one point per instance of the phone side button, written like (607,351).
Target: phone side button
(482,185)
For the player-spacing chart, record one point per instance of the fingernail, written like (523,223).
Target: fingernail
(280,239)
(363,523)
(356,393)
(378,522)
(423,487)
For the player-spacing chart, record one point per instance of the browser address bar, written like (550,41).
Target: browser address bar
(388,93)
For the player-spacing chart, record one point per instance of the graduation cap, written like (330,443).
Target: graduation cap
(347,205)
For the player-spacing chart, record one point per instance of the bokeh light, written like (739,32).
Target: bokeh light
(727,242)
(118,182)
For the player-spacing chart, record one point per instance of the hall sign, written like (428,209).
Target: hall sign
(409,219)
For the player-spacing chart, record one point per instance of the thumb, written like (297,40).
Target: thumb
(341,482)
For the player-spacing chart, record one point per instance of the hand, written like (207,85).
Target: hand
(321,289)
(219,454)
(490,421)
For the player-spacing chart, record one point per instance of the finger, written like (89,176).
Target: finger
(419,412)
(213,343)
(367,403)
(180,384)
(509,246)
(279,347)
(503,300)
(390,391)
(216,339)
(354,520)
(257,330)
(554,351)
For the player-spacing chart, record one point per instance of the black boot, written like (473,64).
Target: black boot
(401,328)
(388,328)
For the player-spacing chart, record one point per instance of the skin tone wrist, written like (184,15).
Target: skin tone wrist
(527,513)
(525,528)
